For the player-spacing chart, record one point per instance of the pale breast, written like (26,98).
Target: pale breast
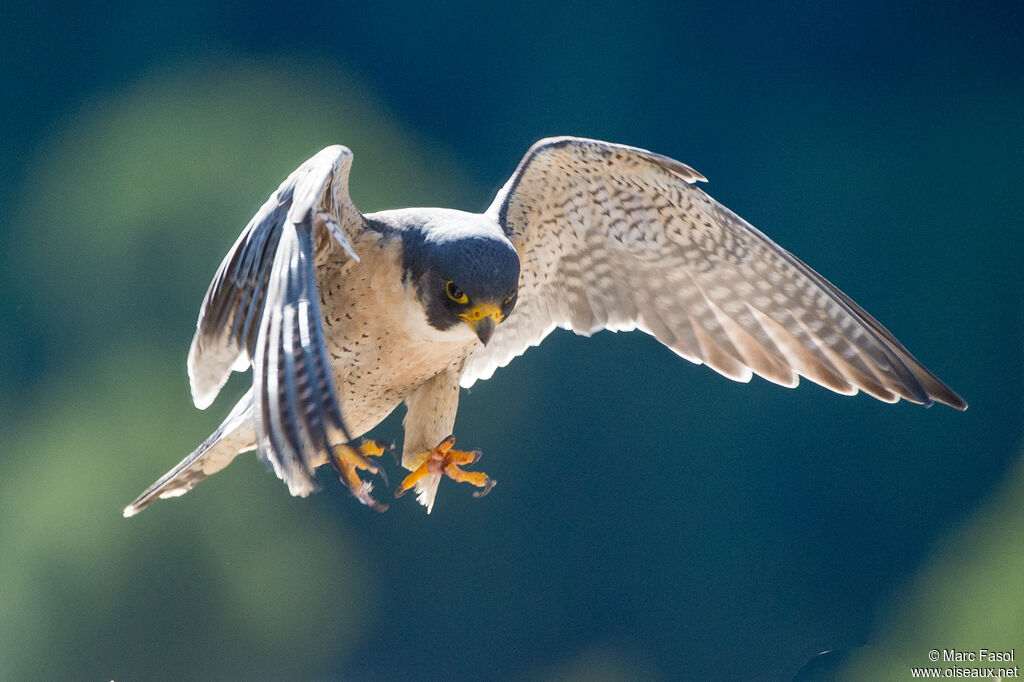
(378,339)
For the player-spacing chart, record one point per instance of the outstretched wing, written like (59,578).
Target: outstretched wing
(614,237)
(262,309)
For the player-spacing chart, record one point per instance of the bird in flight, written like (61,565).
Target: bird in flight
(343,316)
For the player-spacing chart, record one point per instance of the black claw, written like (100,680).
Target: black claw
(477,454)
(400,491)
(369,501)
(488,484)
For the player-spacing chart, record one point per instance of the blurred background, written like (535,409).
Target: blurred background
(653,520)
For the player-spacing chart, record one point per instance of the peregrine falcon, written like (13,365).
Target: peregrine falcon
(343,316)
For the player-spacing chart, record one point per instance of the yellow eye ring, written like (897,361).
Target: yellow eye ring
(455,293)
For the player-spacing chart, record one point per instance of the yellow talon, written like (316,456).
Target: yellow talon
(443,460)
(350,460)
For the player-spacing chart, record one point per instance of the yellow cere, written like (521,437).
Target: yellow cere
(479,312)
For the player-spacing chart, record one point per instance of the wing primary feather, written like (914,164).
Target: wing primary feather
(293,415)
(932,386)
(251,324)
(282,357)
(306,384)
(899,356)
(861,377)
(270,420)
(801,358)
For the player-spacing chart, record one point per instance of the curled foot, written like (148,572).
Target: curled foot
(349,461)
(443,460)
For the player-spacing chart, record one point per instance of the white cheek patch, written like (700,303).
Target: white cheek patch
(417,326)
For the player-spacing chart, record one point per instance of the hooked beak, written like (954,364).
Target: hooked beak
(483,319)
(484,329)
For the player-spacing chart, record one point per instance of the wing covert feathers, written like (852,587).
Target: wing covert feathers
(615,237)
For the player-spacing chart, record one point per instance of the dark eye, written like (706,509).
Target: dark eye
(455,293)
(511,297)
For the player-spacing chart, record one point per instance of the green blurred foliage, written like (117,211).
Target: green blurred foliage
(88,595)
(174,166)
(964,598)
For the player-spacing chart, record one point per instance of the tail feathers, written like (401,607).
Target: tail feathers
(234,436)
(426,490)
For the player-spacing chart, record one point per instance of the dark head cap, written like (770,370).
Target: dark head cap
(462,276)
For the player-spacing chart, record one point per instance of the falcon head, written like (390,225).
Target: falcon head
(463,273)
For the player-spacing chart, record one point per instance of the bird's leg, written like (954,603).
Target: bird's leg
(349,460)
(443,460)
